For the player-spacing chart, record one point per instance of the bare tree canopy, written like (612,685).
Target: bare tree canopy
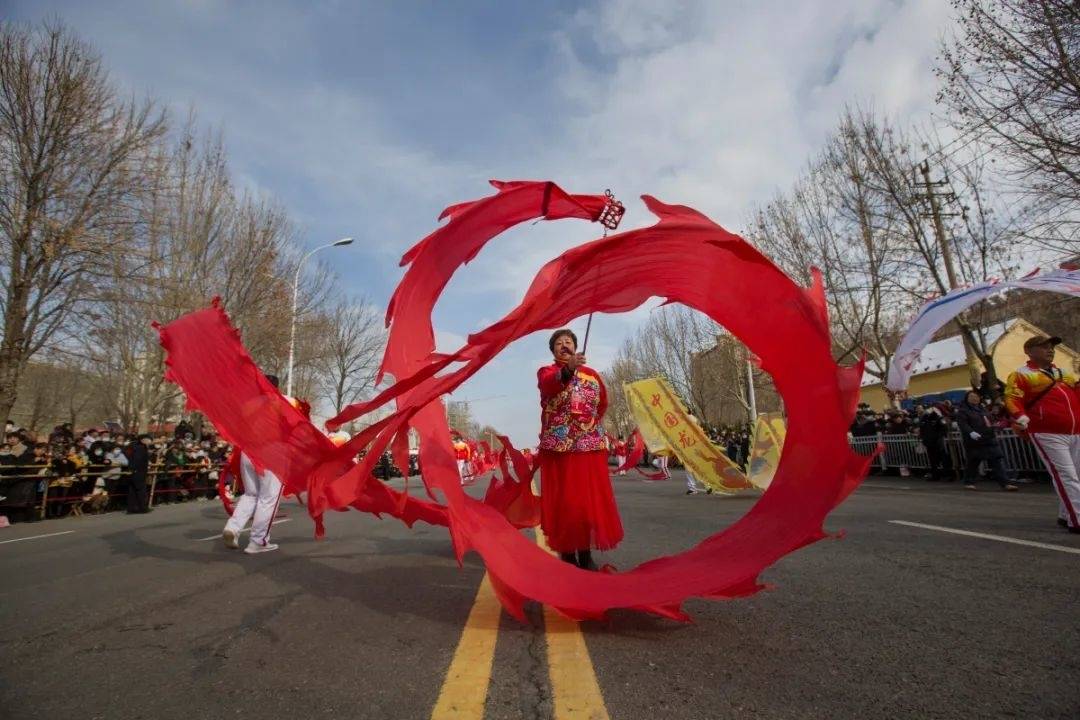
(352,353)
(1011,77)
(878,228)
(71,157)
(196,237)
(460,418)
(624,369)
(706,366)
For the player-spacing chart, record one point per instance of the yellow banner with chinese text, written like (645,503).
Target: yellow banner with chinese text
(654,439)
(769,432)
(663,420)
(779,428)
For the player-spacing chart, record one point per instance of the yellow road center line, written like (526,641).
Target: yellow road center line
(465,688)
(575,692)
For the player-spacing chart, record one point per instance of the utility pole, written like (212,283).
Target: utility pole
(939,227)
(932,197)
(751,395)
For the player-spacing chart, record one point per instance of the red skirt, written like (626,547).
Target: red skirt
(577,507)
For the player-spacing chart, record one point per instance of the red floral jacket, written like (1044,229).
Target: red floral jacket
(571,412)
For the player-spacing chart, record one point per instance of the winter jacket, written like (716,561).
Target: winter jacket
(1057,411)
(976,419)
(139,461)
(933,427)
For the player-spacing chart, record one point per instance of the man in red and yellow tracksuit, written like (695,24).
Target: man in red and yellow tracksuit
(1042,399)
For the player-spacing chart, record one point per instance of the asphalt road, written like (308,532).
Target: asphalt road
(141,617)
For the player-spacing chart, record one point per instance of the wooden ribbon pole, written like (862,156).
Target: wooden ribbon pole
(609,217)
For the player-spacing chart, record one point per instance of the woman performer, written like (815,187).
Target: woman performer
(577,508)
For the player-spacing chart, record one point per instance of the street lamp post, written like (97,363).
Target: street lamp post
(295,296)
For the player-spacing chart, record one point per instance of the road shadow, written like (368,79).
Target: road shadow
(393,576)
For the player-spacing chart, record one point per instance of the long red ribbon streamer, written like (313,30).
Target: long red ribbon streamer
(683,258)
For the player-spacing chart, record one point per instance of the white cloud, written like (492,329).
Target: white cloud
(714,105)
(448,342)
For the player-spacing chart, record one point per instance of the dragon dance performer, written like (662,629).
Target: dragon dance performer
(577,507)
(259,503)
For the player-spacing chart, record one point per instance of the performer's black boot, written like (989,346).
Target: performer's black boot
(585,561)
(568,557)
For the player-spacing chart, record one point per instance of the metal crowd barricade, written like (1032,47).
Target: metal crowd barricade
(903,451)
(1020,453)
(157,469)
(908,451)
(52,483)
(27,473)
(866,445)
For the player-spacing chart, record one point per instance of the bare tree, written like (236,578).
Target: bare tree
(459,416)
(859,214)
(1011,76)
(624,369)
(723,373)
(71,158)
(196,238)
(926,247)
(712,380)
(666,345)
(353,351)
(57,388)
(833,220)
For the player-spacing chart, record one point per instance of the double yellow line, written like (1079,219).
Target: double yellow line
(574,689)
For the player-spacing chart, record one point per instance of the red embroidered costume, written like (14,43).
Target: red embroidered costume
(578,509)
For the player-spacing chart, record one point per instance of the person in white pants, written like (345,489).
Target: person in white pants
(258,504)
(661,462)
(692,484)
(1042,399)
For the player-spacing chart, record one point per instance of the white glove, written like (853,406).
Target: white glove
(974,435)
(1022,422)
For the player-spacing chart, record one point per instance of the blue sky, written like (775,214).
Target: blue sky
(366,119)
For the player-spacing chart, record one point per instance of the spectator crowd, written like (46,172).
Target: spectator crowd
(977,420)
(918,419)
(98,470)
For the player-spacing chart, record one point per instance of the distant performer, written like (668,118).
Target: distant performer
(619,447)
(578,511)
(462,453)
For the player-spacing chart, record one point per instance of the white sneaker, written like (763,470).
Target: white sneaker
(230,539)
(255,549)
